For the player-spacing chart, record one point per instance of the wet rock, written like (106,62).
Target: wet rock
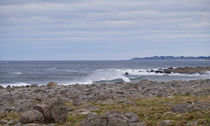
(158,71)
(32,116)
(126,73)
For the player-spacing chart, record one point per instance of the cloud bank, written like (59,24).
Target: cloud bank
(103,29)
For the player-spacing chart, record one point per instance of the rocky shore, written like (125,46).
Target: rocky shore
(125,104)
(182,70)
(187,70)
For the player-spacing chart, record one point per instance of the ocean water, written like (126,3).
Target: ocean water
(87,72)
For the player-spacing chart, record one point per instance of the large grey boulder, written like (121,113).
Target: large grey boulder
(112,118)
(94,119)
(49,112)
(32,116)
(53,111)
(45,110)
(59,111)
(182,108)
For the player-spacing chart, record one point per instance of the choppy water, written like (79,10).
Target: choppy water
(85,72)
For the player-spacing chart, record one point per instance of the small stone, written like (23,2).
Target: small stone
(165,122)
(84,113)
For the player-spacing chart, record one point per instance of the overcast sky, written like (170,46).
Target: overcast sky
(103,29)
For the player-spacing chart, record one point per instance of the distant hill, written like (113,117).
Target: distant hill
(173,57)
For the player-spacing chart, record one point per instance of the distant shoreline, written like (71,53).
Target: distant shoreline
(173,57)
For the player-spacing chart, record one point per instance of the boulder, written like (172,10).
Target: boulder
(32,116)
(116,115)
(59,111)
(25,107)
(53,111)
(45,110)
(132,118)
(158,71)
(117,122)
(1,87)
(182,108)
(94,119)
(52,84)
(112,118)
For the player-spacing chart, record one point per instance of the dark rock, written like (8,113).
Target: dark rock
(151,71)
(32,116)
(8,86)
(158,71)
(167,71)
(126,73)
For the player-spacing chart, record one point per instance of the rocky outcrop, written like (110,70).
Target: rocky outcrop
(182,70)
(187,70)
(40,98)
(112,118)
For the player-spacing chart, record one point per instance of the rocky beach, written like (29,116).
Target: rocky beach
(144,103)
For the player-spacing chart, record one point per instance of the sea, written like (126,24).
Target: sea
(19,73)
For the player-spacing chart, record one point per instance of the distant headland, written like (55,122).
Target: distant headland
(173,57)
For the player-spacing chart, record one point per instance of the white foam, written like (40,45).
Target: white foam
(107,74)
(16,84)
